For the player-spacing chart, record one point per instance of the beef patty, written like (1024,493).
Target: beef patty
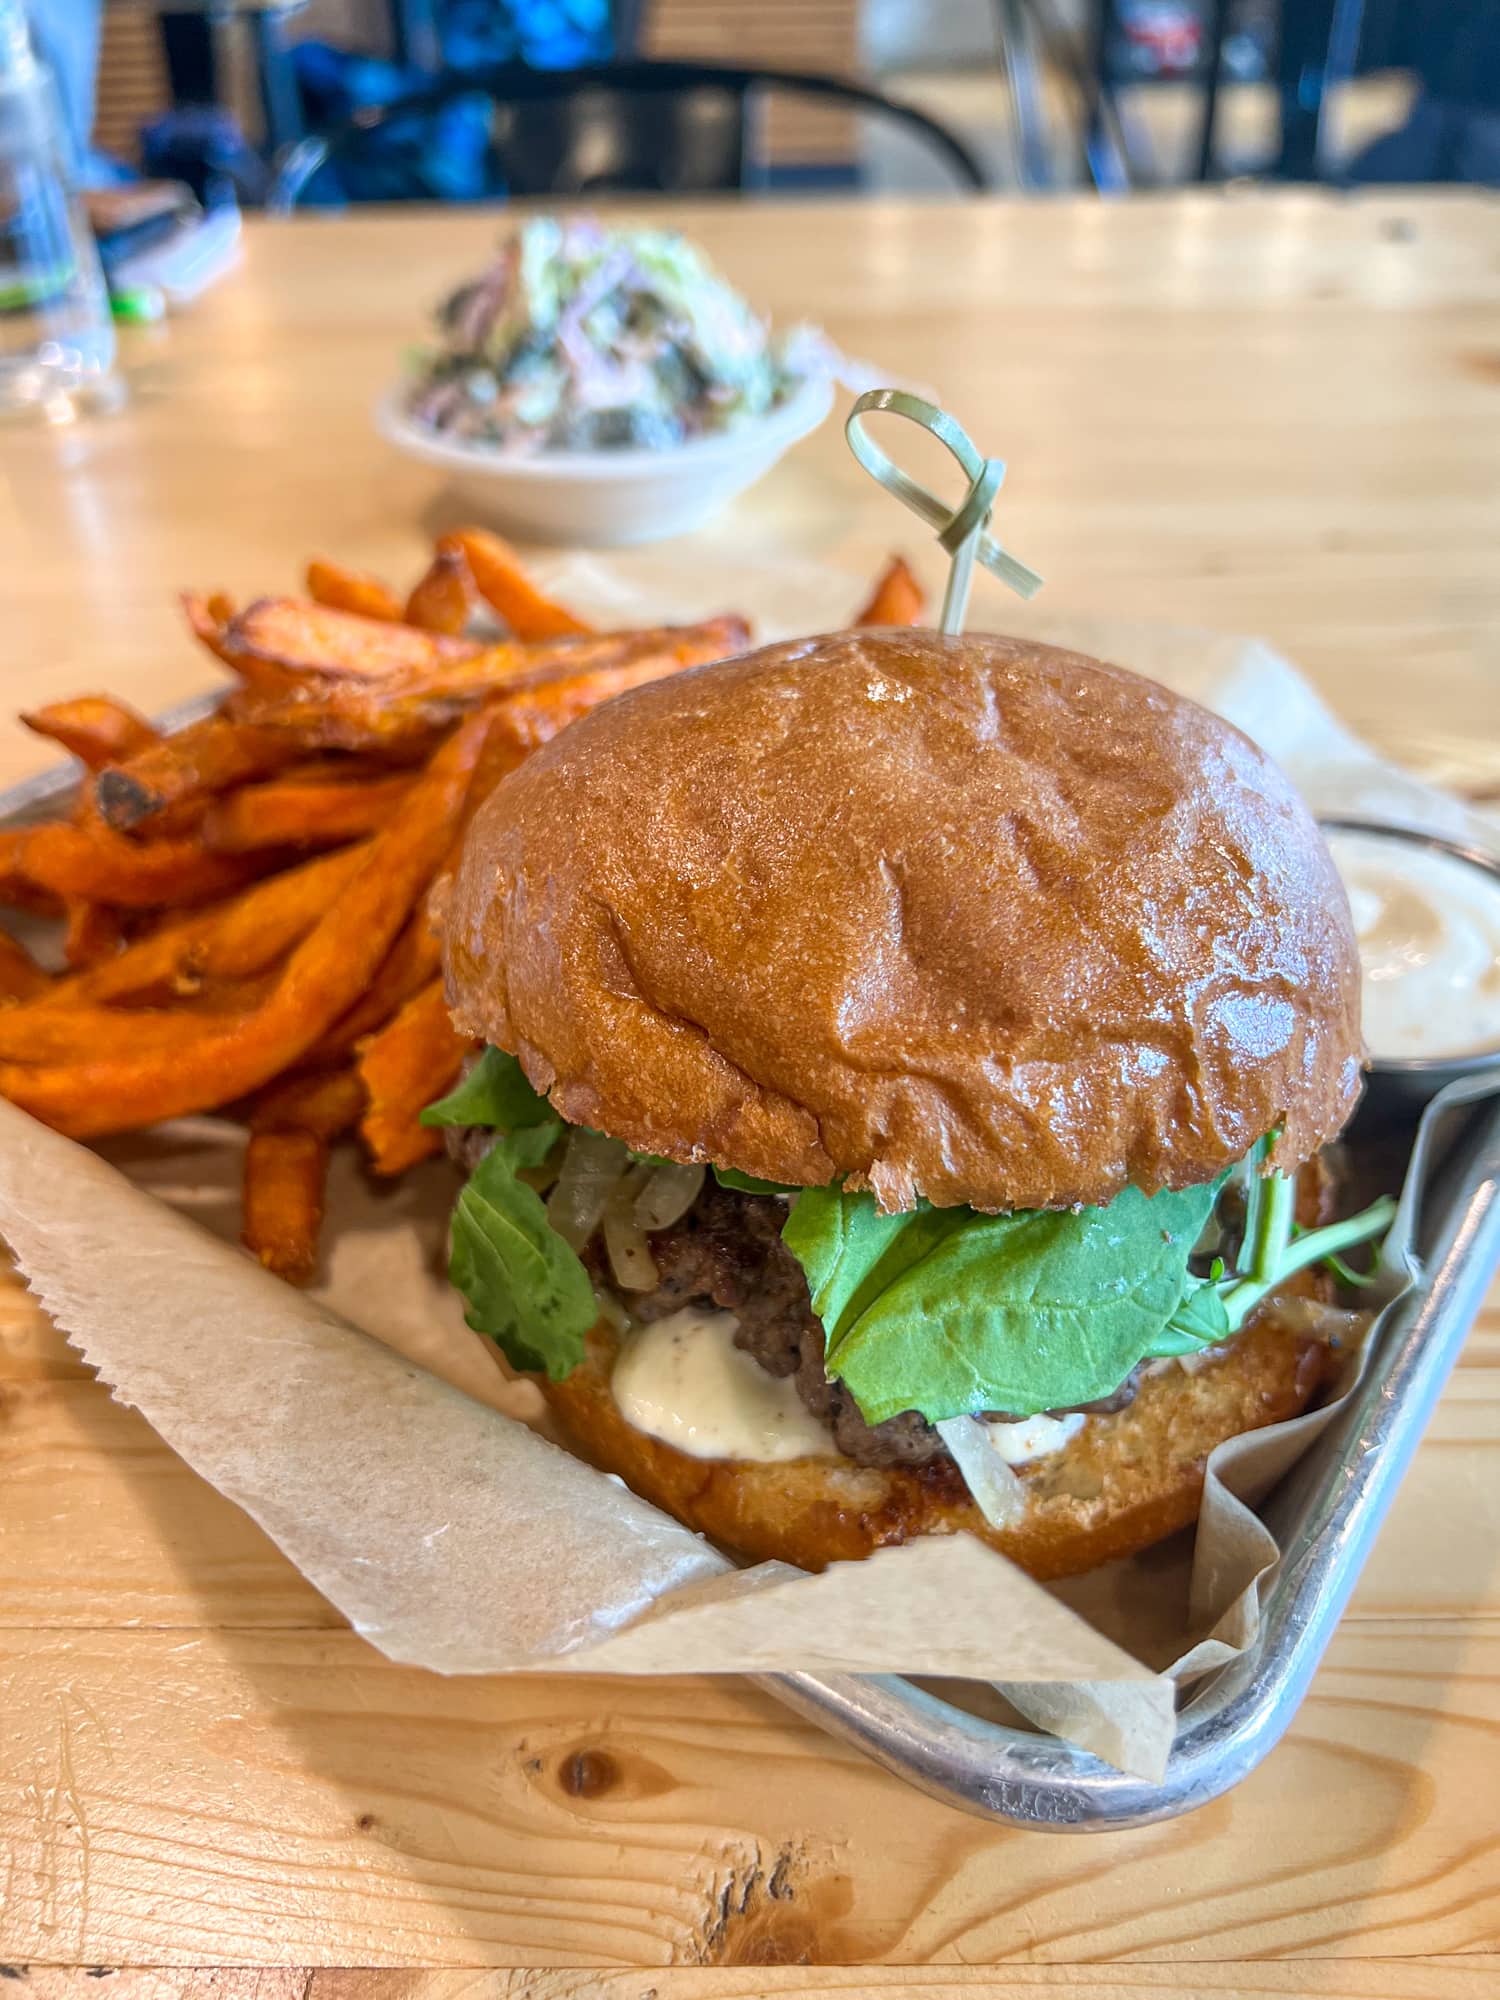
(727,1252)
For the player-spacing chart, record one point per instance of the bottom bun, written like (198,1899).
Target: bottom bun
(1124,1481)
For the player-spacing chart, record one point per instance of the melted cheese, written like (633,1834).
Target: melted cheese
(683,1380)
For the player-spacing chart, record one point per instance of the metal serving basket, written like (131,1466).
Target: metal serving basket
(1325,1515)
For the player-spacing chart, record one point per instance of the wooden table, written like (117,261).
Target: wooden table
(1271,413)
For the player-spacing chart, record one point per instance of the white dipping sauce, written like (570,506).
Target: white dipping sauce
(683,1380)
(1428,926)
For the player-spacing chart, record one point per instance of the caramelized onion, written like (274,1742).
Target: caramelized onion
(630,1258)
(668,1195)
(611,1311)
(993,1487)
(592,1168)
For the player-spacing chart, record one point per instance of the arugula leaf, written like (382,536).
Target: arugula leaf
(950,1312)
(945,1311)
(731,1177)
(1201,1318)
(495,1092)
(525,1287)
(1357,1280)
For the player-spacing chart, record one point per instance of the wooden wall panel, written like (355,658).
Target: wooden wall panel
(787,34)
(132,79)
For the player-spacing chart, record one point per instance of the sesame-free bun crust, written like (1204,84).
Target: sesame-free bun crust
(1124,1482)
(970,919)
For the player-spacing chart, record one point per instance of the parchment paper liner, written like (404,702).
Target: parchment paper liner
(454,1537)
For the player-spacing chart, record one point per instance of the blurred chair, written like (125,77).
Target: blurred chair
(187,32)
(1319,51)
(1322,45)
(632,127)
(1023,46)
(1031,40)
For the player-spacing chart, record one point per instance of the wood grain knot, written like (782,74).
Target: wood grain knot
(778,1914)
(588,1774)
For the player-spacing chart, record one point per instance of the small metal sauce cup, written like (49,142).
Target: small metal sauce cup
(1413,1080)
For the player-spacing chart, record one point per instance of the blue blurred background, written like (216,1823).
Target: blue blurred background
(1118,94)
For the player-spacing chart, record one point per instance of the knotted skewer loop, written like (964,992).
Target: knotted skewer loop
(961,530)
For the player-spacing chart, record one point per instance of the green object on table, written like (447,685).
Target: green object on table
(961,529)
(138,305)
(32,290)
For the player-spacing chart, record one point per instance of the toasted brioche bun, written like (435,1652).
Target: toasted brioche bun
(970,919)
(1125,1481)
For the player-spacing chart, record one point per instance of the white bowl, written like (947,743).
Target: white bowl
(602,499)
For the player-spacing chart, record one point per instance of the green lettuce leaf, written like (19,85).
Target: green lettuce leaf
(495,1092)
(525,1287)
(951,1312)
(731,1177)
(945,1311)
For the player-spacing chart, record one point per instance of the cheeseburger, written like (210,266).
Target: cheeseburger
(907,1063)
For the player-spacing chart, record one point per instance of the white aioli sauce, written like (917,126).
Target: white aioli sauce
(683,1380)
(1428,926)
(1033,1437)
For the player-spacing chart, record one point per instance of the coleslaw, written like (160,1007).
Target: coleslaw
(579,338)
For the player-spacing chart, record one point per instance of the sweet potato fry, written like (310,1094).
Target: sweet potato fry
(341,768)
(93,931)
(413,959)
(403,1068)
(505,748)
(533,716)
(208,617)
(228,941)
(897,599)
(16,891)
(283,1193)
(64,1034)
(354,590)
(416,956)
(205,758)
(325,1101)
(290,813)
(214,1063)
(507,589)
(397,719)
(445,594)
(94,728)
(21,978)
(286,1165)
(44,1033)
(93,863)
(292,636)
(396,716)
